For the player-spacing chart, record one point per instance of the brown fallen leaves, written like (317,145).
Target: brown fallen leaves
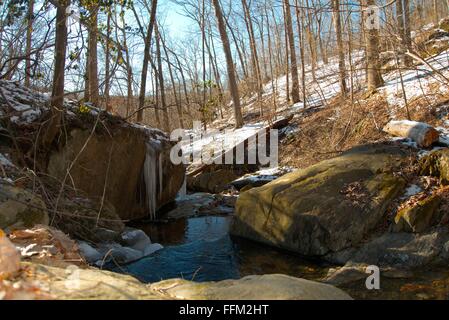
(41,244)
(47,245)
(356,193)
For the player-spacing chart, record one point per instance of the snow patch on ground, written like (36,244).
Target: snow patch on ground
(417,83)
(412,190)
(4,161)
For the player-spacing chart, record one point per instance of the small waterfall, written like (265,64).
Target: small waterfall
(150,171)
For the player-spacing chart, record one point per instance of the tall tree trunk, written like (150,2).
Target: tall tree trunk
(374,77)
(237,48)
(287,63)
(146,58)
(172,79)
(57,96)
(340,46)
(435,12)
(407,33)
(300,21)
(253,48)
(30,18)
(270,57)
(203,57)
(107,80)
(293,63)
(311,39)
(166,122)
(92,64)
(229,65)
(129,71)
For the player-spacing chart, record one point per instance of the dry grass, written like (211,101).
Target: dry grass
(340,126)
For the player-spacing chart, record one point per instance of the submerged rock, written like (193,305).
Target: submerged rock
(132,245)
(324,208)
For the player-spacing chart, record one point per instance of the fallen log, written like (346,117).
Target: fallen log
(423,134)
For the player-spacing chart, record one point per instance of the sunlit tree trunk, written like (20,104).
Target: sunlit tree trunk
(229,65)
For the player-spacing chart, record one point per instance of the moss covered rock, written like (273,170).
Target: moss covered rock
(444,24)
(324,208)
(436,164)
(419,217)
(19,208)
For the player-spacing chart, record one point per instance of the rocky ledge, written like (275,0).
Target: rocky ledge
(97,284)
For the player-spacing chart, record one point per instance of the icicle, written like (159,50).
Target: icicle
(150,174)
(183,191)
(161,166)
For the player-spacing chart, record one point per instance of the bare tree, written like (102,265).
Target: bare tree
(374,77)
(57,96)
(293,63)
(340,46)
(146,58)
(30,16)
(229,65)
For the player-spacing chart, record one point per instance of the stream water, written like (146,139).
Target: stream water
(201,249)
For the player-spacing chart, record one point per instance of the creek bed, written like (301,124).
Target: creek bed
(201,249)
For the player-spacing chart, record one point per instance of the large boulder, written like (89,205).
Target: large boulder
(327,207)
(404,250)
(20,208)
(96,163)
(260,287)
(99,284)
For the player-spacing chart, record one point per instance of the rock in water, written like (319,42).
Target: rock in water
(324,208)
